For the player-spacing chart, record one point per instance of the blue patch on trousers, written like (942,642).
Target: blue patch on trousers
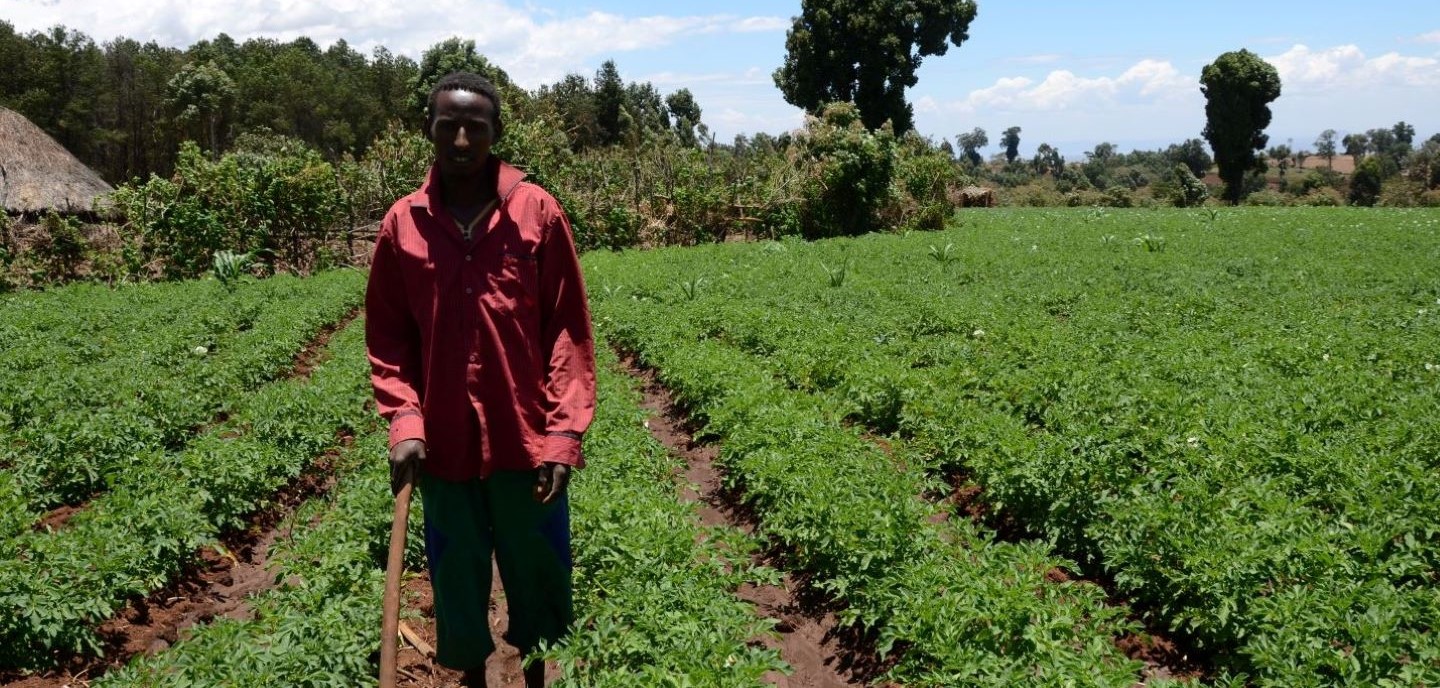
(435,543)
(556,531)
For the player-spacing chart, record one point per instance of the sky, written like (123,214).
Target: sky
(1069,73)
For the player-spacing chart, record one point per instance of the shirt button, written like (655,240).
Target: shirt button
(469,258)
(468,290)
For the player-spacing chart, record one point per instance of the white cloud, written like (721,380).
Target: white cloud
(1346,67)
(1432,37)
(1062,89)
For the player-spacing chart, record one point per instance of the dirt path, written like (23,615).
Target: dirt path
(822,655)
(415,670)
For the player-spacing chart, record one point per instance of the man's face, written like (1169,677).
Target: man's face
(462,130)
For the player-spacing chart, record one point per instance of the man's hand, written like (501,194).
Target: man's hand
(552,481)
(405,458)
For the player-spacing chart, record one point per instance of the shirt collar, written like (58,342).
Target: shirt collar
(508,177)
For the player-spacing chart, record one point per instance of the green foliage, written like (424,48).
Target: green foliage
(1254,473)
(278,200)
(147,527)
(1238,88)
(456,54)
(62,249)
(866,52)
(1366,182)
(1011,141)
(229,266)
(847,184)
(925,178)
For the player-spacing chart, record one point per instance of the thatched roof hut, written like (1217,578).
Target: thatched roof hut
(38,175)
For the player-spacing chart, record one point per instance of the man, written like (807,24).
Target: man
(483,362)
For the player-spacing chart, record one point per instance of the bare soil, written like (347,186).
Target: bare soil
(822,654)
(416,670)
(220,584)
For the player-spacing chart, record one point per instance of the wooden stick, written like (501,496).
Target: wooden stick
(390,620)
(415,640)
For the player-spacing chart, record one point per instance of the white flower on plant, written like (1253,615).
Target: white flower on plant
(1431,367)
(1193,441)
(978,333)
(199,351)
(1326,357)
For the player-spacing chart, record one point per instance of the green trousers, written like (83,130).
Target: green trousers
(465,522)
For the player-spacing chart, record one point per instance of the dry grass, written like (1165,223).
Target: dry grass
(38,175)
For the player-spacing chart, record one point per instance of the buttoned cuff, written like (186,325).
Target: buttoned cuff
(563,447)
(407,426)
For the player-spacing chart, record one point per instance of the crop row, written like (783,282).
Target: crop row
(1245,441)
(56,586)
(103,380)
(952,604)
(655,596)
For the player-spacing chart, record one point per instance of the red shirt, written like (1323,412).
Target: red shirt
(482,349)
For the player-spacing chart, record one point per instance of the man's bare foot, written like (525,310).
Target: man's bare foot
(535,674)
(473,678)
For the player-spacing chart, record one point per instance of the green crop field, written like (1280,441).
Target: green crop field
(1006,453)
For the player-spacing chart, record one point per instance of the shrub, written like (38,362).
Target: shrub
(61,248)
(1118,197)
(924,179)
(272,197)
(1267,197)
(1430,199)
(1321,198)
(1401,193)
(1365,184)
(846,183)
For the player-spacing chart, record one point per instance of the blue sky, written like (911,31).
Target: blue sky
(1071,74)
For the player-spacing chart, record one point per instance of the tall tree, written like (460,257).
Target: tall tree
(1238,88)
(572,101)
(1356,145)
(459,55)
(1325,147)
(686,113)
(867,52)
(971,144)
(610,104)
(1281,155)
(1048,160)
(1011,141)
(201,93)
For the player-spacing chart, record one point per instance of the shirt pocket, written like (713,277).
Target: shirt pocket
(514,284)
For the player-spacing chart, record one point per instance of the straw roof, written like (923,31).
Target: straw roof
(38,175)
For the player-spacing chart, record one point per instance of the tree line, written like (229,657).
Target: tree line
(123,107)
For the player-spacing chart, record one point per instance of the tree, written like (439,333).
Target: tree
(1356,146)
(867,52)
(459,55)
(1325,147)
(971,143)
(1281,155)
(201,93)
(1238,88)
(1048,160)
(1365,184)
(1011,142)
(686,113)
(610,104)
(1191,154)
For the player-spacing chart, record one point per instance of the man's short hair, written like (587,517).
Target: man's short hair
(465,81)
